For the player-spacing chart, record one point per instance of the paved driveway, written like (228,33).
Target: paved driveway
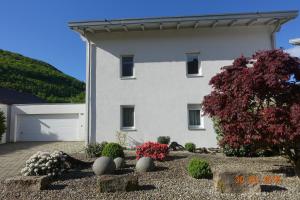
(14,155)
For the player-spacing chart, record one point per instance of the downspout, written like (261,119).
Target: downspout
(273,34)
(88,90)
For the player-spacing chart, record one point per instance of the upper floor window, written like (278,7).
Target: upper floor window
(193,64)
(127,64)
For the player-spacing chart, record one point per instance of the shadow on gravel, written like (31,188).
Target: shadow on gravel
(272,188)
(123,171)
(160,168)
(147,187)
(284,169)
(56,187)
(74,174)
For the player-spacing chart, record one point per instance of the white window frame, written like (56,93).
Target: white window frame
(193,106)
(199,65)
(121,67)
(132,128)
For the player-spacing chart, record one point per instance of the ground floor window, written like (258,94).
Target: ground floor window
(127,117)
(195,119)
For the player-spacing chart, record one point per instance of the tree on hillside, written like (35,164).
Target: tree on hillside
(257,105)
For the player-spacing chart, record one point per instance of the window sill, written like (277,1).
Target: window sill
(128,129)
(196,128)
(128,78)
(194,75)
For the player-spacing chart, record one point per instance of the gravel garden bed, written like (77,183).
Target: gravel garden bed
(170,180)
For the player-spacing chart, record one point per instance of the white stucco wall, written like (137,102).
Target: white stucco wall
(161,90)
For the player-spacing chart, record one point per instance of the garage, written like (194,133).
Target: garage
(45,127)
(51,122)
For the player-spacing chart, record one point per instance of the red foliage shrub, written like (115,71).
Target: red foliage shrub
(152,149)
(256,105)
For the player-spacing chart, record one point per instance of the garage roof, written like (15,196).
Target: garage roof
(159,23)
(9,96)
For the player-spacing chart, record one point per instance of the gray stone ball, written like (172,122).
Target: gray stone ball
(104,165)
(145,164)
(119,162)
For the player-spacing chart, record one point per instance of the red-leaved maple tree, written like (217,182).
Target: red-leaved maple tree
(256,105)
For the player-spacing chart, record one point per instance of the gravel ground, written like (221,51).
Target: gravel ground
(169,181)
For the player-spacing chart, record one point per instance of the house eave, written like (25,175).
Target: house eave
(200,21)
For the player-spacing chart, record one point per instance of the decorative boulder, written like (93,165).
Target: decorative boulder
(236,182)
(104,165)
(145,164)
(115,183)
(119,162)
(27,183)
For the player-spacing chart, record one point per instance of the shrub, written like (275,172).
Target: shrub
(2,125)
(163,139)
(153,150)
(259,105)
(191,147)
(95,150)
(113,150)
(198,168)
(44,163)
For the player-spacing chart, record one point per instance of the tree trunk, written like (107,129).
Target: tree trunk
(297,168)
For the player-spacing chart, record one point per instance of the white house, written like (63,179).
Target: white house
(147,77)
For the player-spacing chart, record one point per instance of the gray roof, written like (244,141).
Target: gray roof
(218,20)
(9,96)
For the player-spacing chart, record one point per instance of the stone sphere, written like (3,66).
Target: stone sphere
(119,162)
(104,165)
(145,164)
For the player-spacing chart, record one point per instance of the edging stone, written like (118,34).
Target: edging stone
(115,183)
(27,183)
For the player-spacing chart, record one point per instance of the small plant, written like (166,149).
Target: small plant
(153,150)
(95,150)
(163,139)
(121,138)
(199,168)
(113,150)
(191,147)
(2,125)
(44,163)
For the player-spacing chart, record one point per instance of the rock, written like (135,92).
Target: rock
(214,150)
(236,182)
(27,183)
(119,162)
(174,146)
(104,165)
(115,183)
(145,164)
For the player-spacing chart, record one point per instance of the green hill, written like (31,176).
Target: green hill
(39,78)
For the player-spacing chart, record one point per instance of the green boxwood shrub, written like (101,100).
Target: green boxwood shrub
(113,150)
(95,150)
(198,168)
(2,125)
(191,147)
(163,139)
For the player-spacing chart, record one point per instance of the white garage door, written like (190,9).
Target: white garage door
(49,127)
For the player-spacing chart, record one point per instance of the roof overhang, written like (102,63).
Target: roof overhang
(295,41)
(201,21)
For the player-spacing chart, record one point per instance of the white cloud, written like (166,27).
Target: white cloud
(294,51)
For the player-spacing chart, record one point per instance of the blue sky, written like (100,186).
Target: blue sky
(38,29)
